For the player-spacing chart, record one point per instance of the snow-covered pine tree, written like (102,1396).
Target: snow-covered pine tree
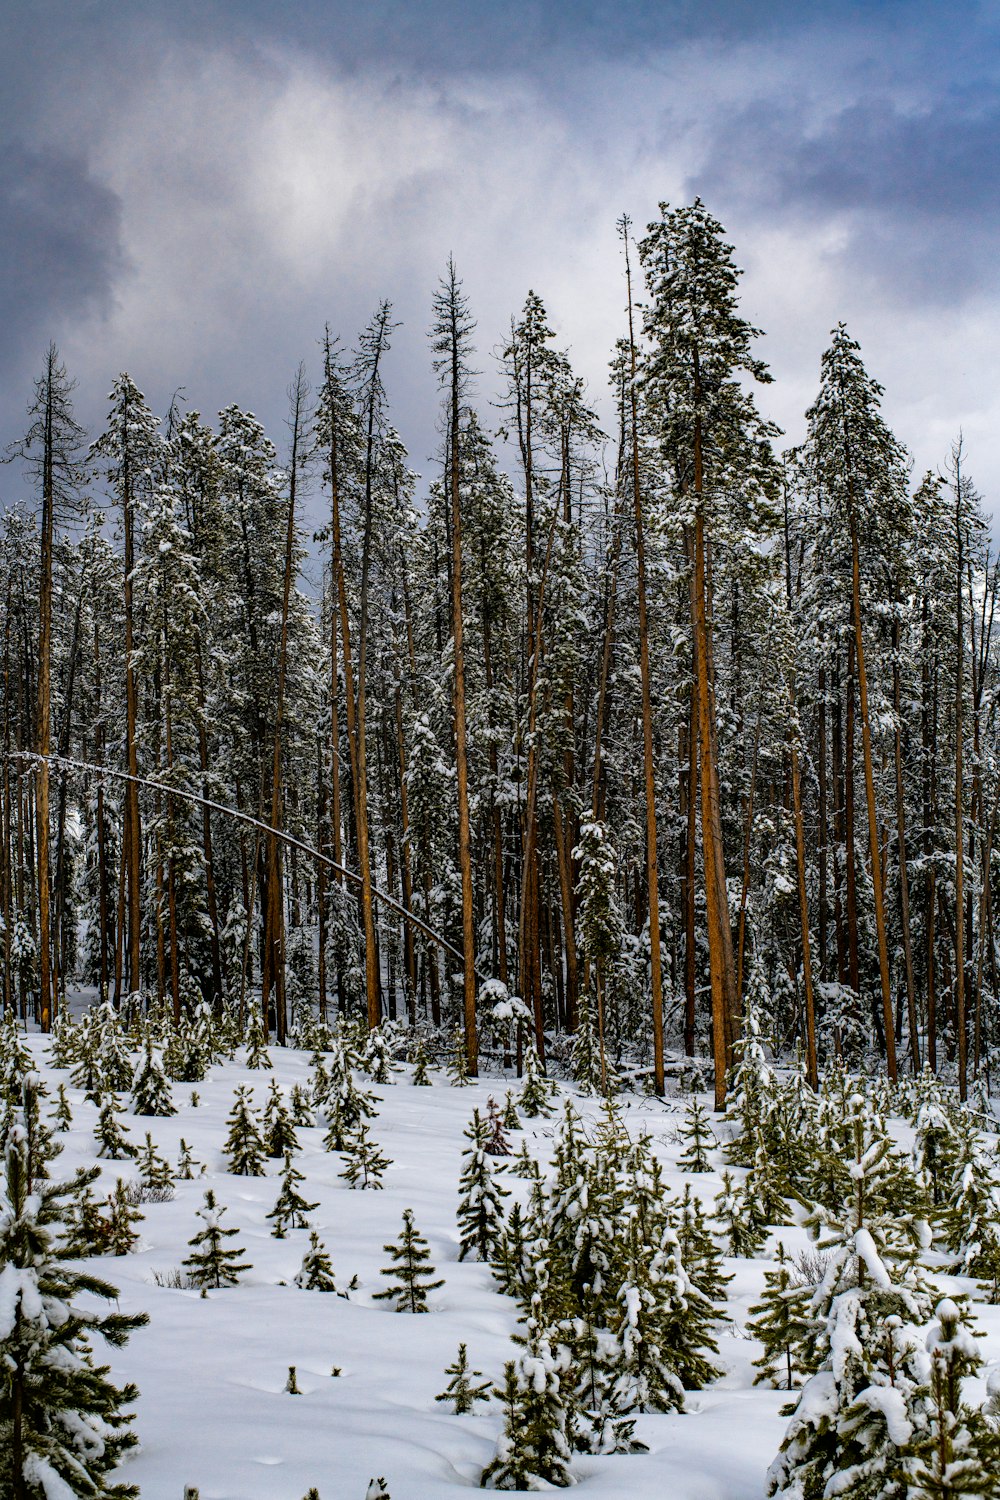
(854,1417)
(411,1269)
(212,1262)
(534,1447)
(62,1427)
(537,1091)
(781,1322)
(736,1220)
(244,1147)
(955,1454)
(465,1386)
(111,1135)
(62,1115)
(365,1163)
(278,1132)
(290,1209)
(150,1088)
(497,1143)
(316,1271)
(699,1139)
(121,1215)
(154,1169)
(421,1064)
(480,1209)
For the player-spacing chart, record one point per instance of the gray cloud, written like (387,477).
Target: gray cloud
(60,250)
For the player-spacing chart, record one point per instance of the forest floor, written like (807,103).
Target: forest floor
(213,1411)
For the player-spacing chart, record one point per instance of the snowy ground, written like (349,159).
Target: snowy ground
(213,1411)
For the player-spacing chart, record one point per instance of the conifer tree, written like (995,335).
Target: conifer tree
(121,1216)
(735,1217)
(244,1146)
(421,1063)
(480,1209)
(316,1272)
(150,1089)
(957,1455)
(111,1135)
(212,1262)
(290,1209)
(63,1113)
(365,1164)
(537,1091)
(62,1427)
(279,1132)
(699,1139)
(154,1170)
(534,1447)
(463,1389)
(411,1270)
(782,1324)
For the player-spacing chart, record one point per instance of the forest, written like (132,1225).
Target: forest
(460,854)
(596,738)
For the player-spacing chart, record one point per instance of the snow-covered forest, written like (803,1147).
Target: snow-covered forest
(637,791)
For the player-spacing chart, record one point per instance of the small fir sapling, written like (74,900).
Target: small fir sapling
(957,1452)
(366,1164)
(346,1108)
(121,1215)
(480,1209)
(257,1053)
(292,1384)
(62,1115)
(699,1139)
(62,1425)
(536,1090)
(316,1272)
(212,1262)
(290,1209)
(421,1064)
(185,1162)
(511,1118)
(463,1389)
(154,1170)
(111,1135)
(411,1268)
(378,1057)
(278,1132)
(151,1090)
(458,1063)
(523,1164)
(300,1107)
(586,1055)
(733,1214)
(780,1321)
(699,1252)
(533,1450)
(244,1147)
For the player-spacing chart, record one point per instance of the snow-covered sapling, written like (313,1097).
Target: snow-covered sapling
(290,1209)
(463,1389)
(244,1147)
(150,1089)
(699,1140)
(213,1263)
(366,1163)
(316,1272)
(410,1266)
(112,1137)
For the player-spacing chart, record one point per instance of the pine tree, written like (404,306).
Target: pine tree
(154,1170)
(150,1090)
(957,1456)
(122,1214)
(782,1324)
(699,1140)
(462,1389)
(536,1091)
(734,1214)
(185,1162)
(279,1132)
(458,1061)
(410,1264)
(112,1138)
(257,1053)
(534,1447)
(316,1272)
(290,1209)
(480,1209)
(244,1146)
(496,1142)
(62,1428)
(366,1163)
(62,1114)
(421,1063)
(213,1263)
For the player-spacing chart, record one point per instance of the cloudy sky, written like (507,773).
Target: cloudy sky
(189,190)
